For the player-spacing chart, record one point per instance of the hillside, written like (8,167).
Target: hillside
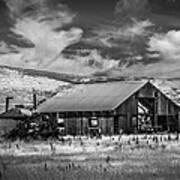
(21,87)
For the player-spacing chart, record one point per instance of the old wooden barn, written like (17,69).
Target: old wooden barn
(109,108)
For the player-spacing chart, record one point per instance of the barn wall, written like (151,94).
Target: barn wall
(164,105)
(166,110)
(78,124)
(126,112)
(129,109)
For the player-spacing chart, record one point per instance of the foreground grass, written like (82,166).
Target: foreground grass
(138,164)
(129,159)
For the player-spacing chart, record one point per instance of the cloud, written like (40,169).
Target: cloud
(41,22)
(48,43)
(40,9)
(126,9)
(44,29)
(43,26)
(120,45)
(90,63)
(166,48)
(167,45)
(110,37)
(5,49)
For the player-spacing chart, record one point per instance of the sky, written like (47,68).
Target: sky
(85,37)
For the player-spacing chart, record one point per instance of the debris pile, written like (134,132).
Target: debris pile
(36,128)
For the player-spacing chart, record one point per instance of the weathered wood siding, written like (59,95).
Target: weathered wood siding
(165,106)
(77,123)
(126,111)
(147,91)
(129,108)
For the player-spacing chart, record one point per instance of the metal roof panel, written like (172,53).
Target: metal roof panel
(92,97)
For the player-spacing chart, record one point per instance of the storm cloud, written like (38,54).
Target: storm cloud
(53,35)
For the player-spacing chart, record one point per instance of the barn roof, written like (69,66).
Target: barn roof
(92,97)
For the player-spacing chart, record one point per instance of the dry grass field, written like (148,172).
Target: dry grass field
(128,158)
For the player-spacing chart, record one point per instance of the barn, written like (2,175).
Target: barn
(113,107)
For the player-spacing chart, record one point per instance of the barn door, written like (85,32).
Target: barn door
(116,125)
(119,123)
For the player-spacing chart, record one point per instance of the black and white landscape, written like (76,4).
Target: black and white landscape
(53,49)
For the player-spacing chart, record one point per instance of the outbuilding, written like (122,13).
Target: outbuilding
(113,107)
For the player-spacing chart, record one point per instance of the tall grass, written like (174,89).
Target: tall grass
(137,165)
(56,173)
(134,158)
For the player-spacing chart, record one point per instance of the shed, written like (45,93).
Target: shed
(111,107)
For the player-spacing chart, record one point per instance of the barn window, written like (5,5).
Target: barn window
(60,122)
(156,94)
(93,122)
